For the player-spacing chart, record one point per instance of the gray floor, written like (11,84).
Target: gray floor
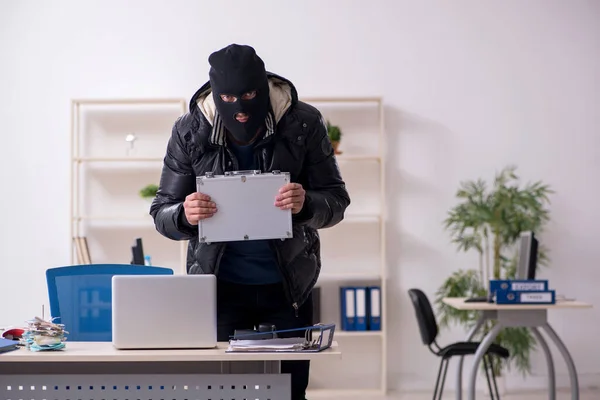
(537,395)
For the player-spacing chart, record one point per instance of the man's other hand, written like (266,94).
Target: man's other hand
(198,206)
(291,196)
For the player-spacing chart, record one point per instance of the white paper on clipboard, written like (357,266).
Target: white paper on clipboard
(245,207)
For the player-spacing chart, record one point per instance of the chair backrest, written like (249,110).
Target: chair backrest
(425,316)
(81,297)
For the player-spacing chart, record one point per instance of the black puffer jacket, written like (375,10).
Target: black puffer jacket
(299,145)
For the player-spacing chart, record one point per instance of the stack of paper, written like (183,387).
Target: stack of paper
(286,344)
(42,335)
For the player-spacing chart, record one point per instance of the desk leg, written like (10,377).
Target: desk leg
(570,364)
(481,350)
(272,367)
(470,336)
(549,361)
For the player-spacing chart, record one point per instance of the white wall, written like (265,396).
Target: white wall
(469,87)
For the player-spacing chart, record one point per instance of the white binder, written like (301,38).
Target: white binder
(245,207)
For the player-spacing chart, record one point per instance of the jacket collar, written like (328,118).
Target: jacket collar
(282,94)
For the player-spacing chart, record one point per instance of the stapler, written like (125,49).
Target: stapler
(13,333)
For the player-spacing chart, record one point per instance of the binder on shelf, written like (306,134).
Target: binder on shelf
(83,251)
(518,285)
(526,297)
(348,308)
(361,308)
(374,308)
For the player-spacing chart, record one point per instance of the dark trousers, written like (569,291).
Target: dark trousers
(247,306)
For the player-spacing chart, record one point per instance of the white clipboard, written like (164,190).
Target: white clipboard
(245,207)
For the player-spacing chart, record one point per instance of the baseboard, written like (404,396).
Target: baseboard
(587,381)
(514,383)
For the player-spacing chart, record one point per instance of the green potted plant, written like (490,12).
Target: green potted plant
(149,191)
(490,221)
(335,136)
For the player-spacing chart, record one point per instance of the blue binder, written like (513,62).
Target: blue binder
(525,297)
(374,308)
(361,308)
(518,285)
(348,308)
(8,345)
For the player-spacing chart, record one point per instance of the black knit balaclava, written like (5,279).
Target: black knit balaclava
(234,71)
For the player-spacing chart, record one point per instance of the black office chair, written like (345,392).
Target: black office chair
(429,331)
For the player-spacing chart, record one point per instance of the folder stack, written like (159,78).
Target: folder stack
(522,292)
(360,308)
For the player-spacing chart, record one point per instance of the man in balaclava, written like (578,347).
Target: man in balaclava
(240,90)
(247,118)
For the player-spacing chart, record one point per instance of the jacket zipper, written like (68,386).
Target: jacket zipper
(286,280)
(284,275)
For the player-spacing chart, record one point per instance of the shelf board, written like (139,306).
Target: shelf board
(345,394)
(357,157)
(361,219)
(341,157)
(144,101)
(340,333)
(347,219)
(118,159)
(113,218)
(371,99)
(349,276)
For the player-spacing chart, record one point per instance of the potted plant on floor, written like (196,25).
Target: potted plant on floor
(335,136)
(148,192)
(490,221)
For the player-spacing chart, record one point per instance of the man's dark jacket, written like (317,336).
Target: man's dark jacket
(298,144)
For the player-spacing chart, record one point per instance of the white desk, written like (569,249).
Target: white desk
(96,370)
(531,316)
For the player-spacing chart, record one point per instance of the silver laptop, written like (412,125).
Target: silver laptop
(164,311)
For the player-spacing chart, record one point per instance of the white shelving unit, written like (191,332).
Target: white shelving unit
(353,252)
(107,209)
(108,173)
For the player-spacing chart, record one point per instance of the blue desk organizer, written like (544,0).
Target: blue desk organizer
(519,291)
(81,297)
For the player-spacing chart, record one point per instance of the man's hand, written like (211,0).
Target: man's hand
(291,196)
(197,206)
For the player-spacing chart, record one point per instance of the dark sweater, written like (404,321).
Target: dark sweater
(250,262)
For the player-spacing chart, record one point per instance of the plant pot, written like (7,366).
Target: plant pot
(500,382)
(336,144)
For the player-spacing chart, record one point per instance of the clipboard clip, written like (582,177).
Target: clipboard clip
(244,172)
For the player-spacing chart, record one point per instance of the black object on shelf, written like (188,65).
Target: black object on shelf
(137,253)
(479,299)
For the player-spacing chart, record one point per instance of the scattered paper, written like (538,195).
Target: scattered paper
(43,335)
(283,344)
